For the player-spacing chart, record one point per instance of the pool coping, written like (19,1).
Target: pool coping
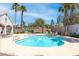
(10,47)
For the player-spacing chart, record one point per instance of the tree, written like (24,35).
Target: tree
(64,8)
(72,7)
(52,25)
(59,20)
(58,23)
(40,23)
(15,7)
(75,19)
(32,25)
(52,22)
(77,5)
(47,26)
(22,9)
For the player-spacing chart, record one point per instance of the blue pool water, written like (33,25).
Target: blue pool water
(41,41)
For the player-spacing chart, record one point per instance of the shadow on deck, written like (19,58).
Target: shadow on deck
(72,40)
(4,54)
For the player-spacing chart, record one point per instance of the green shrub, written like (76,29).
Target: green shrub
(74,35)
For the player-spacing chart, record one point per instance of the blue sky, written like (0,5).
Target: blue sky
(47,11)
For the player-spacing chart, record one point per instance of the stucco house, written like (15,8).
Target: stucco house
(39,30)
(74,29)
(6,24)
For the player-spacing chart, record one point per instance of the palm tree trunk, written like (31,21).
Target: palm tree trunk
(22,20)
(65,30)
(15,17)
(71,15)
(15,23)
(71,12)
(65,19)
(65,16)
(72,9)
(65,11)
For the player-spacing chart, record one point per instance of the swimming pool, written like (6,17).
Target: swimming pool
(41,41)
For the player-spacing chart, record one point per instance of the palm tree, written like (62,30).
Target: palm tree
(59,21)
(75,16)
(77,5)
(22,9)
(64,8)
(15,7)
(72,7)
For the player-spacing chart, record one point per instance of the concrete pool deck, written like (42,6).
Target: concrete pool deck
(8,46)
